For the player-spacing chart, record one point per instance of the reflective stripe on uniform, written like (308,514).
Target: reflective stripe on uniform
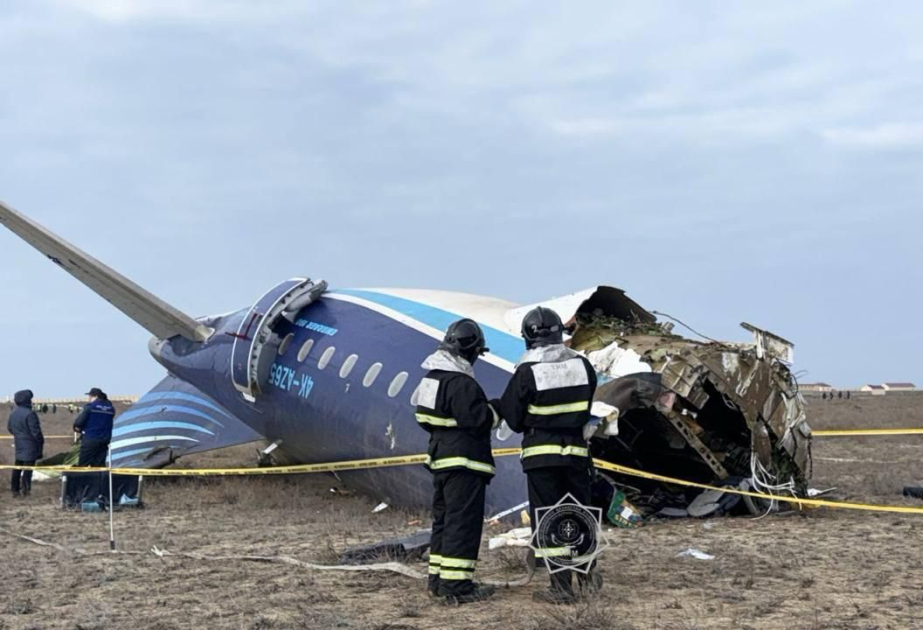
(436,421)
(551,410)
(434,569)
(451,462)
(554,449)
(459,563)
(553,552)
(458,574)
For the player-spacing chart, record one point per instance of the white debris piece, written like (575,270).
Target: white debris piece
(616,362)
(518,537)
(695,553)
(602,410)
(381,507)
(610,416)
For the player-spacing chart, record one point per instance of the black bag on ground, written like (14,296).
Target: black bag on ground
(79,488)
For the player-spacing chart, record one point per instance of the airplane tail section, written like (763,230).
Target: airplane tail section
(157,316)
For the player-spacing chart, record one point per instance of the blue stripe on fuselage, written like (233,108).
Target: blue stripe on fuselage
(504,345)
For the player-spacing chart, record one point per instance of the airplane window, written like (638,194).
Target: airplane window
(283,347)
(415,397)
(348,365)
(372,374)
(325,358)
(305,349)
(397,384)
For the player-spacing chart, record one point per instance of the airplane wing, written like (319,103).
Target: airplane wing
(157,316)
(172,420)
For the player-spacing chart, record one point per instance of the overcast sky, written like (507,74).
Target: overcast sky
(721,161)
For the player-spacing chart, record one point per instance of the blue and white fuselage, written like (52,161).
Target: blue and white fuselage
(325,375)
(328,376)
(341,385)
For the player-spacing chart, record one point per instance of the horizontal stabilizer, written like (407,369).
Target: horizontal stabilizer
(173,420)
(161,319)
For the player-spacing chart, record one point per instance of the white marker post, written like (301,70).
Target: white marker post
(111,501)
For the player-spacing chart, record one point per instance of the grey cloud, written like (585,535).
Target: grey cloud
(714,159)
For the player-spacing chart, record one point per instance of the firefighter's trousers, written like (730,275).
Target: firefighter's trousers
(458,520)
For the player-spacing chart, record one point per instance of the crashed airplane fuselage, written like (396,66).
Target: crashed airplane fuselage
(330,375)
(723,413)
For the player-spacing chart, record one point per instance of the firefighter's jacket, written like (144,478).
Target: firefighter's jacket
(453,408)
(548,400)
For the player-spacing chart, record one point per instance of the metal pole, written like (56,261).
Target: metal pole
(111,501)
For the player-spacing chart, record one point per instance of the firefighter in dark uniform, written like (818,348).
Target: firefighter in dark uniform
(452,407)
(548,400)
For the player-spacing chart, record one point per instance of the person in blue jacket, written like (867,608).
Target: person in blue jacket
(94,424)
(28,441)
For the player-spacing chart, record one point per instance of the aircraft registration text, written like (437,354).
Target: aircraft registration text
(290,380)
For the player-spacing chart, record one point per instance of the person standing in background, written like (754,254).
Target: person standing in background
(95,426)
(29,442)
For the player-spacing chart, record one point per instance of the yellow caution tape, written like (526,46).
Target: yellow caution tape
(860,432)
(821,433)
(406,460)
(815,433)
(356,464)
(625,470)
(47,437)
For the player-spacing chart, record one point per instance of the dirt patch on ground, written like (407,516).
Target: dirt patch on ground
(821,569)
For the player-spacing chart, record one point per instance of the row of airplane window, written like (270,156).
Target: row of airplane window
(397,384)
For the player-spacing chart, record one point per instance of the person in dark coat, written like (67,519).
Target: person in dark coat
(29,442)
(95,426)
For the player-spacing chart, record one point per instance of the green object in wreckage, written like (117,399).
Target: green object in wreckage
(621,513)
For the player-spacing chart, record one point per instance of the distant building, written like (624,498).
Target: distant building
(874,390)
(899,387)
(815,387)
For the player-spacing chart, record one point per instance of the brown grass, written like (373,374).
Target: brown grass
(823,570)
(591,614)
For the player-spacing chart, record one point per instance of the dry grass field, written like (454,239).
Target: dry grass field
(820,569)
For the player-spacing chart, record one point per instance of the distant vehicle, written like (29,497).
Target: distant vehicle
(327,375)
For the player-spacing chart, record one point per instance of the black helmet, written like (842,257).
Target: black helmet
(465,339)
(542,327)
